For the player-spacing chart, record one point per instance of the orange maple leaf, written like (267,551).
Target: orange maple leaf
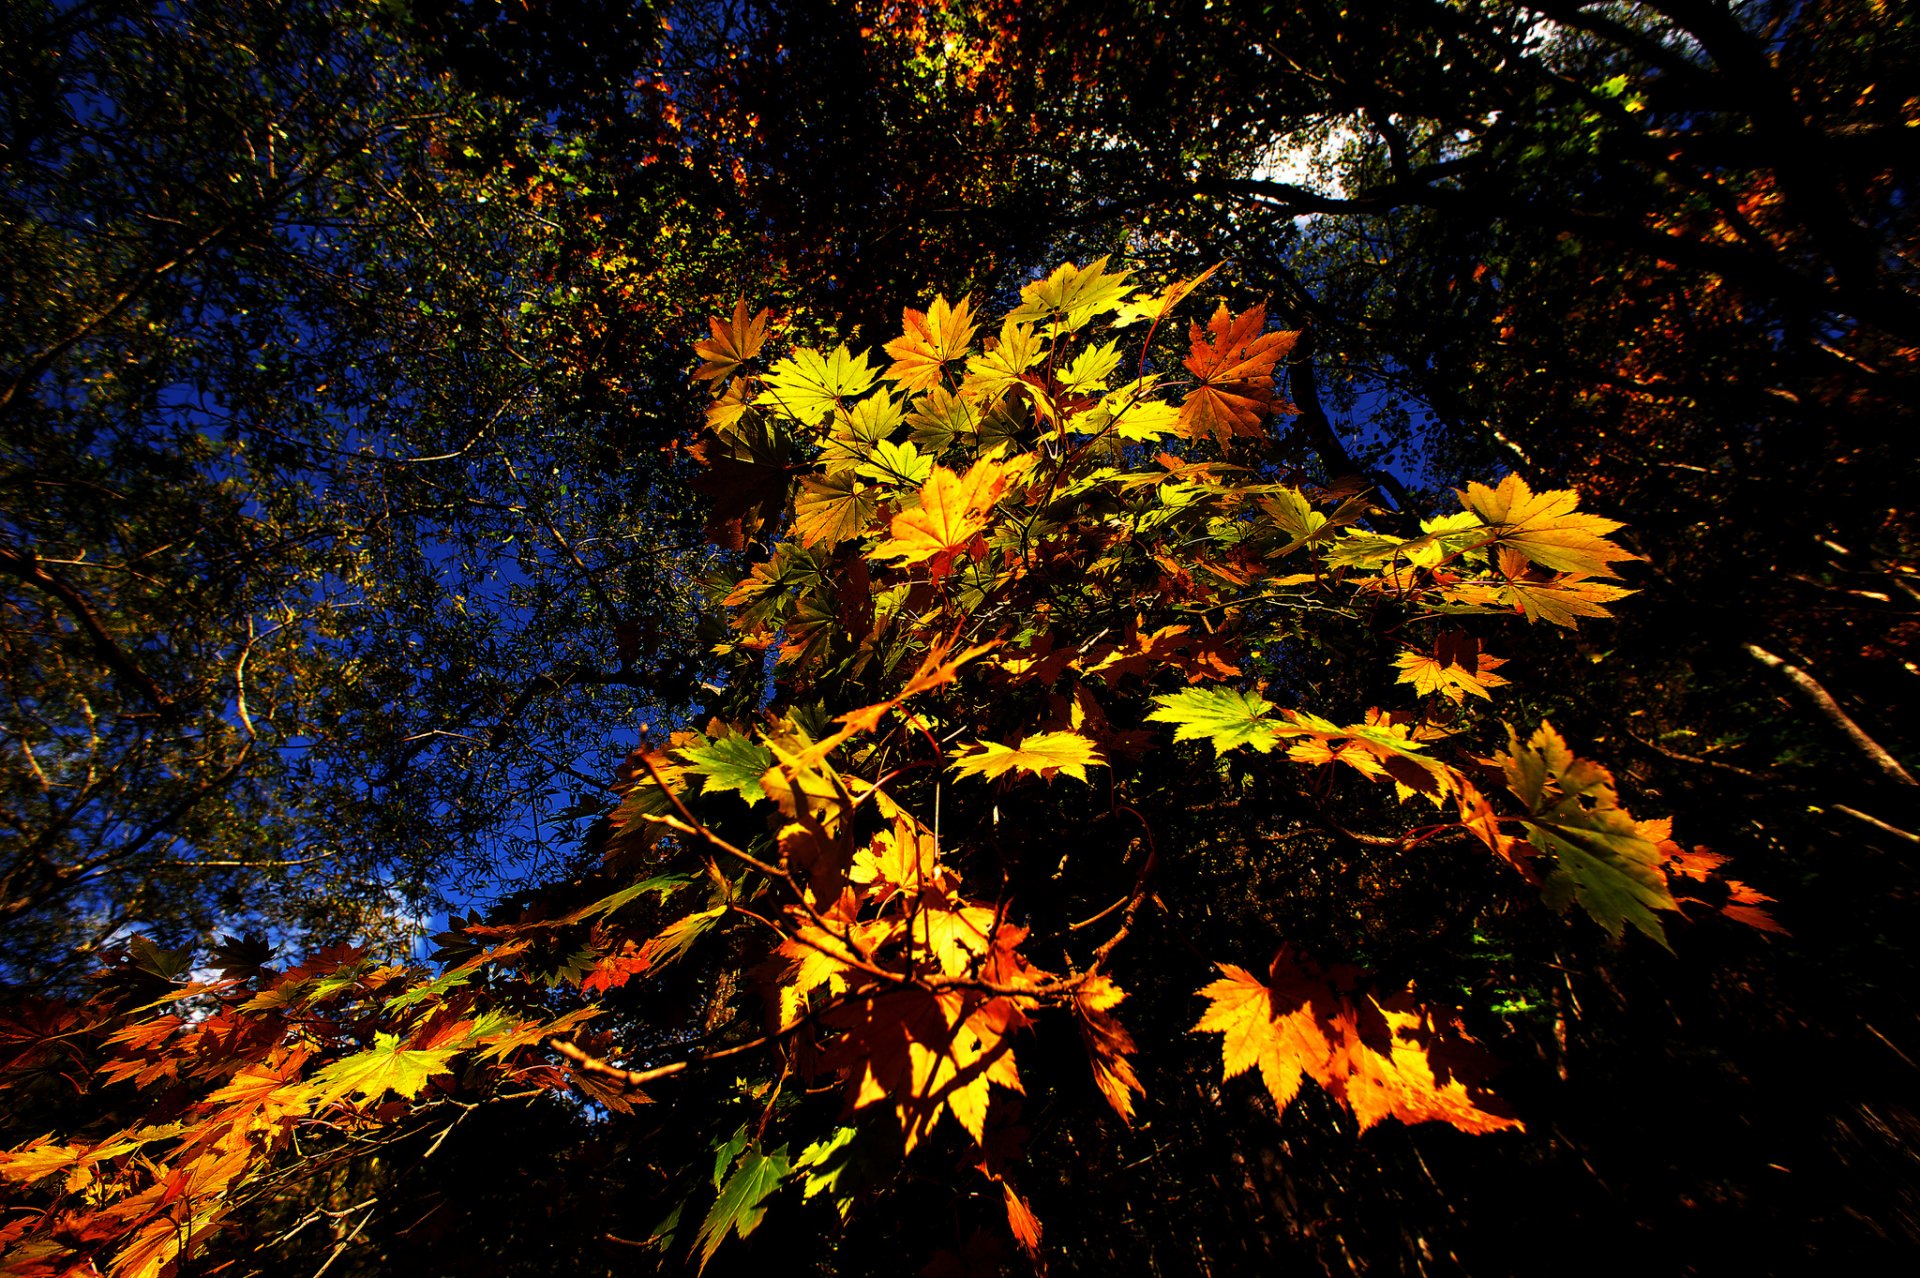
(1235,370)
(1380,1060)
(932,338)
(1107,1041)
(953,512)
(732,344)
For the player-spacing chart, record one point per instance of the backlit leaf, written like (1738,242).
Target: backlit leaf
(1044,753)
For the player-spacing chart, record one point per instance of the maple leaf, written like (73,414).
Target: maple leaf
(1021,1220)
(268,1093)
(747,475)
(1561,599)
(1090,368)
(1157,306)
(1379,747)
(1391,1060)
(824,1161)
(927,1053)
(730,763)
(938,418)
(1072,296)
(1235,371)
(1545,527)
(384,1067)
(1227,717)
(1278,1036)
(903,858)
(952,512)
(1045,753)
(1455,669)
(900,465)
(741,1205)
(1602,857)
(1481,821)
(858,431)
(1004,364)
(808,386)
(931,340)
(1107,1041)
(732,344)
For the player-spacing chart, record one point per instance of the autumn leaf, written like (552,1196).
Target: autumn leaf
(384,1067)
(1045,753)
(1005,363)
(1227,717)
(1391,1059)
(952,512)
(1258,1032)
(1072,296)
(732,344)
(1157,306)
(1021,1220)
(1602,857)
(1546,528)
(1107,1042)
(1455,668)
(1090,369)
(931,340)
(1233,359)
(747,475)
(808,386)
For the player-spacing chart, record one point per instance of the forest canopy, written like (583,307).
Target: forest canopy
(957,638)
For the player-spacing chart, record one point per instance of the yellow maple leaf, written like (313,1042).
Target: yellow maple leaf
(1546,528)
(1455,669)
(1045,753)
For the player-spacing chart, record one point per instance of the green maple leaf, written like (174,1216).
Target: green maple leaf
(808,385)
(1227,717)
(384,1067)
(742,1202)
(1603,858)
(730,763)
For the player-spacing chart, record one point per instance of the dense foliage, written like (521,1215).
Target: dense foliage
(1381,619)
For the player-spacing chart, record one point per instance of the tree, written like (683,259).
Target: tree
(1656,253)
(1003,571)
(326,535)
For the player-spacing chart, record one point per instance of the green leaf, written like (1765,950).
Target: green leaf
(725,1152)
(857,433)
(938,417)
(1227,717)
(740,1206)
(825,1162)
(1602,857)
(730,763)
(385,1067)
